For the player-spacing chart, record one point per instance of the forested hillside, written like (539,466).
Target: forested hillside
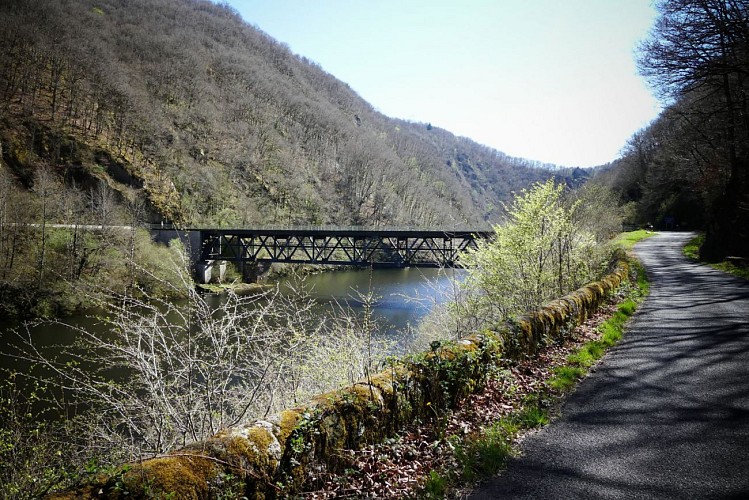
(211,121)
(689,168)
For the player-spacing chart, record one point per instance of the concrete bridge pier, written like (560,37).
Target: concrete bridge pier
(205,271)
(252,270)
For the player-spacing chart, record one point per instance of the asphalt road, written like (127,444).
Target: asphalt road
(666,415)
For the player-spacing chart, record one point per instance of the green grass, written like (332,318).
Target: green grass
(532,416)
(627,240)
(480,456)
(485,455)
(731,268)
(638,292)
(435,485)
(588,354)
(628,307)
(566,377)
(692,248)
(692,252)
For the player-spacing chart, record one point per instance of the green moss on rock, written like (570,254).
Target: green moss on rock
(185,477)
(288,446)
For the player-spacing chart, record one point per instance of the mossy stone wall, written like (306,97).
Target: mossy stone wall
(272,458)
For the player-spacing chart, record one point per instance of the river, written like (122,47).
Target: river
(402,297)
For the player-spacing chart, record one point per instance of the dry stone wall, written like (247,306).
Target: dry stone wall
(272,458)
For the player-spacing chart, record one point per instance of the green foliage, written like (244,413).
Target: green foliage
(597,211)
(566,377)
(628,239)
(84,267)
(643,283)
(628,307)
(229,487)
(732,268)
(531,417)
(435,486)
(587,355)
(541,252)
(736,267)
(484,455)
(611,334)
(692,248)
(56,258)
(38,453)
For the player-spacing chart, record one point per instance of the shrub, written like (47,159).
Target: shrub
(541,252)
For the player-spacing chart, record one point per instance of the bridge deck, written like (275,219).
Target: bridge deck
(355,231)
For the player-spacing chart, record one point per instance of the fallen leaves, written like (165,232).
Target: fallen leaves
(399,467)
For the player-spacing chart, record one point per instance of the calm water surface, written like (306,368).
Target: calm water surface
(402,297)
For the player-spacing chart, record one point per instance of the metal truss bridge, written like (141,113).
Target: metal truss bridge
(354,246)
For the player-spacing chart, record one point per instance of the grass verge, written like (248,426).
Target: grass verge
(481,455)
(628,239)
(578,363)
(442,457)
(692,252)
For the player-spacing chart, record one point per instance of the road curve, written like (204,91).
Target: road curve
(666,415)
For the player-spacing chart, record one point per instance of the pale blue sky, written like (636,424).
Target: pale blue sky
(548,80)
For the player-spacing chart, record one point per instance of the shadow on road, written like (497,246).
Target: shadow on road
(667,413)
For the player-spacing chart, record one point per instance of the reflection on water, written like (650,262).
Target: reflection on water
(47,338)
(402,298)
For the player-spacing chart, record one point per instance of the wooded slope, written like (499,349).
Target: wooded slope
(690,167)
(214,122)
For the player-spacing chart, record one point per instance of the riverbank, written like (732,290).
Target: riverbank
(296,447)
(235,287)
(77,269)
(475,439)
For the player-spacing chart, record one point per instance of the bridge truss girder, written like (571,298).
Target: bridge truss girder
(354,248)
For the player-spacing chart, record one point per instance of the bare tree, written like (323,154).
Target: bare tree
(102,203)
(697,55)
(162,374)
(46,186)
